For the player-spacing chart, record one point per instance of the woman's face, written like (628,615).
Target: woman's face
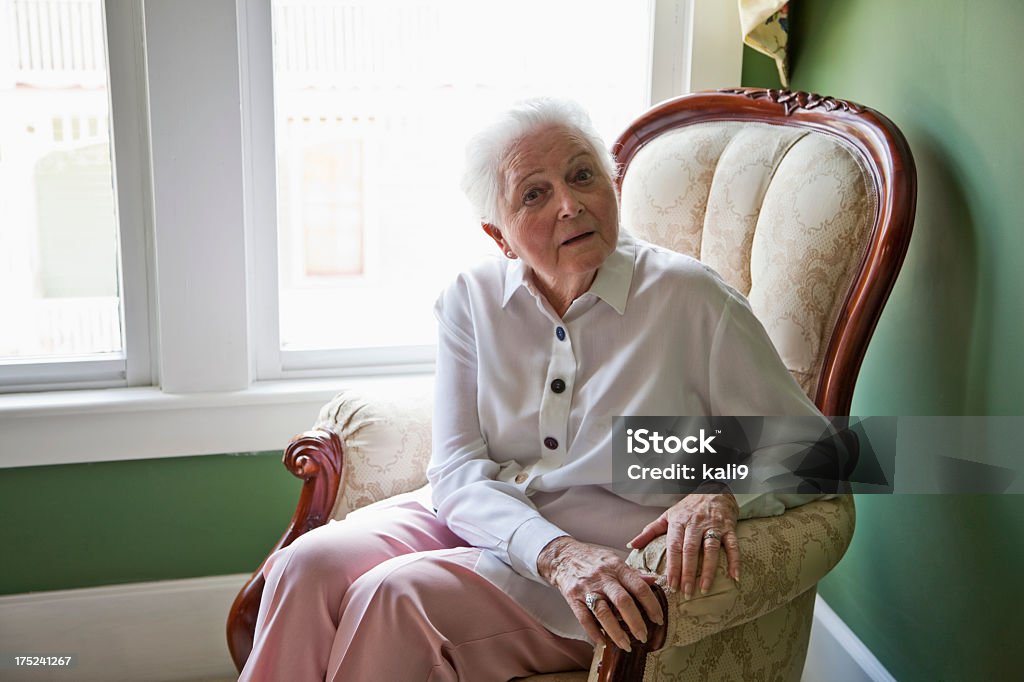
(558,208)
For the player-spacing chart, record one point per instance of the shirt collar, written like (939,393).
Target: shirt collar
(611,284)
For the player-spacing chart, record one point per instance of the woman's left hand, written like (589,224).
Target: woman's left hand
(689,524)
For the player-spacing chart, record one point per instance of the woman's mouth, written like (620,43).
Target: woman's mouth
(577,238)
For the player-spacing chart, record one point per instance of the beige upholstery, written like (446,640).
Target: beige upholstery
(772,647)
(783,215)
(765,620)
(386,437)
(774,210)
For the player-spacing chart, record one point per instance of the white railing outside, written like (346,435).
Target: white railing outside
(367,44)
(53,43)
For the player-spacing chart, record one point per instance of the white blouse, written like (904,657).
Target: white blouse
(524,403)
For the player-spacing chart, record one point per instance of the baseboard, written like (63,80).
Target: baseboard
(174,630)
(836,654)
(157,631)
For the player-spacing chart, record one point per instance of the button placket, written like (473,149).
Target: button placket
(556,401)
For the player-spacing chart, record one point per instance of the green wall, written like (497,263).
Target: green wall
(932,584)
(81,525)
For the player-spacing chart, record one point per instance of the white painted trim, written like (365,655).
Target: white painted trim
(345,361)
(670,49)
(196,151)
(68,427)
(836,654)
(159,631)
(133,183)
(696,46)
(96,371)
(174,630)
(256,78)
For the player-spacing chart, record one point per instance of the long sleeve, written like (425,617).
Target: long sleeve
(488,513)
(747,378)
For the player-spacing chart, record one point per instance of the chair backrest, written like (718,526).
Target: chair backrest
(803,203)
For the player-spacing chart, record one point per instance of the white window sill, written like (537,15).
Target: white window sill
(67,427)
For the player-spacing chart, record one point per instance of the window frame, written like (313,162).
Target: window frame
(126,97)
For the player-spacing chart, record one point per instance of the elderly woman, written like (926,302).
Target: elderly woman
(516,563)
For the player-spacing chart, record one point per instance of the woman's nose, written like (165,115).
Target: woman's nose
(569,205)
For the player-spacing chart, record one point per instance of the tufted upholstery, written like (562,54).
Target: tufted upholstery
(782,214)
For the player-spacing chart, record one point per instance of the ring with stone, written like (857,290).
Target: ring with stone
(592,599)
(712,534)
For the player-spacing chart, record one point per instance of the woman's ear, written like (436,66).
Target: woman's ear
(494,233)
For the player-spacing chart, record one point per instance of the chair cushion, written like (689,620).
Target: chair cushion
(783,214)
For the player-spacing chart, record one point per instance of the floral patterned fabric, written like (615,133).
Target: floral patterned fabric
(772,647)
(783,557)
(386,440)
(765,27)
(781,213)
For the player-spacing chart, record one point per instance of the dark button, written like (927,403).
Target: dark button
(557,385)
(560,333)
(550,443)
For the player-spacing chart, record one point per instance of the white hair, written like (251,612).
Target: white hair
(487,150)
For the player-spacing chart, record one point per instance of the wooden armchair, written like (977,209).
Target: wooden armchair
(803,203)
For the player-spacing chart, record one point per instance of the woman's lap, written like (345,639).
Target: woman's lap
(391,579)
(350,547)
(435,603)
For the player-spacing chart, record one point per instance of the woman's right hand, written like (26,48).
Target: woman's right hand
(578,568)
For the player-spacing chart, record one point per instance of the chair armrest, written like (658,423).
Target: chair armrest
(385,437)
(782,557)
(365,446)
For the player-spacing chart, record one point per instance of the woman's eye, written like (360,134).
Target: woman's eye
(531,196)
(584,174)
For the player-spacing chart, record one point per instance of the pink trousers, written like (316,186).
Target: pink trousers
(390,594)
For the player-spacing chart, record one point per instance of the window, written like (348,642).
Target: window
(63,287)
(373,103)
(211,241)
(285,188)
